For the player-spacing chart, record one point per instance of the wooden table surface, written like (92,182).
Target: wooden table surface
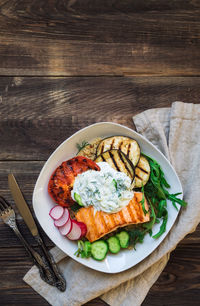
(67,64)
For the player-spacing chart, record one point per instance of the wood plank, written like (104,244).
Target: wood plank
(99,37)
(42,112)
(177,285)
(8,238)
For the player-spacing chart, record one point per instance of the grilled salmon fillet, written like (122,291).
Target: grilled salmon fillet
(102,223)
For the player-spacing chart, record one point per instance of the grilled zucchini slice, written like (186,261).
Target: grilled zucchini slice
(90,149)
(142,172)
(127,145)
(118,161)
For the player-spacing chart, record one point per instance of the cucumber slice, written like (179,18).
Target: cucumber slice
(99,249)
(123,239)
(113,244)
(77,198)
(87,248)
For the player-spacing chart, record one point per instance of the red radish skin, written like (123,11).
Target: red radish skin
(66,229)
(63,220)
(56,212)
(82,226)
(75,233)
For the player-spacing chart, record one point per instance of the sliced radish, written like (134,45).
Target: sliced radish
(63,220)
(75,233)
(66,228)
(56,212)
(82,226)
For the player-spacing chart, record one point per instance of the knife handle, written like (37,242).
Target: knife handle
(60,283)
(38,260)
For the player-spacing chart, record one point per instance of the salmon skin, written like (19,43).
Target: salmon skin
(101,223)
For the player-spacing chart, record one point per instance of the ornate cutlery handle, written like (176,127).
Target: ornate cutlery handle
(60,283)
(43,266)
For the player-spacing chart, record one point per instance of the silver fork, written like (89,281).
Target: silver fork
(7,214)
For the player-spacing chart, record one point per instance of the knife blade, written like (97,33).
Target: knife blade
(22,205)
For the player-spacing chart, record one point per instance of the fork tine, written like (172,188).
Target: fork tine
(4,203)
(1,208)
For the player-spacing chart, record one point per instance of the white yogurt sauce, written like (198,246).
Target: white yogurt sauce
(107,190)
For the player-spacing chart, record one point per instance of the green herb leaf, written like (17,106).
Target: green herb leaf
(143,201)
(115,183)
(81,146)
(163,225)
(75,207)
(150,224)
(172,197)
(136,235)
(156,190)
(158,183)
(79,252)
(174,204)
(161,206)
(84,249)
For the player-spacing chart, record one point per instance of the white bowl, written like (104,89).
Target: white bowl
(42,202)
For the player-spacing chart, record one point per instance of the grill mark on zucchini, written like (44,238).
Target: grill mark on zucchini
(121,144)
(102,148)
(112,144)
(102,157)
(119,161)
(128,150)
(126,145)
(138,177)
(114,161)
(128,170)
(143,170)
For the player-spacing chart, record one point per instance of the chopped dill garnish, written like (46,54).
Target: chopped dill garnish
(82,145)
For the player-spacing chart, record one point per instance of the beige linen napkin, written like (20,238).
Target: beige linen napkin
(176,132)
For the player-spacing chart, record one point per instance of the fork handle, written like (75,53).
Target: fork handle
(60,283)
(44,269)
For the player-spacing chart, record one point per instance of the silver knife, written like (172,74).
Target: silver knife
(28,218)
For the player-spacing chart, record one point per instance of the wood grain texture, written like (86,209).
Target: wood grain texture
(99,37)
(177,285)
(40,113)
(141,54)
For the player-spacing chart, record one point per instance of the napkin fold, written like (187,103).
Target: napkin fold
(175,132)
